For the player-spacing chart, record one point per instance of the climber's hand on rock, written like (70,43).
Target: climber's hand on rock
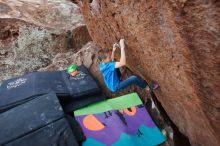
(115,46)
(122,43)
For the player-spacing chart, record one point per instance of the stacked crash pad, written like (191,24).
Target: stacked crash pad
(122,121)
(40,121)
(32,114)
(79,89)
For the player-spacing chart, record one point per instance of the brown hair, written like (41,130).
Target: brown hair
(103,54)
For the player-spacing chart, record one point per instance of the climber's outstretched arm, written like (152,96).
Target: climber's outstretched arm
(122,61)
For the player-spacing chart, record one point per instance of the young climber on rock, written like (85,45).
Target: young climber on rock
(109,70)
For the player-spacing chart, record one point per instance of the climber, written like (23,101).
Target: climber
(109,69)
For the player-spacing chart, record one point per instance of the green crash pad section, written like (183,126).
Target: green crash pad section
(121,102)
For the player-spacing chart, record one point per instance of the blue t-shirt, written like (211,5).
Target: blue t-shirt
(110,75)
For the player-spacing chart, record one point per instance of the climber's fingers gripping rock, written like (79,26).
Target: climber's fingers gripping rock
(115,46)
(122,43)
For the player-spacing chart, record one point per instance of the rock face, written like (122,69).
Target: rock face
(33,32)
(175,43)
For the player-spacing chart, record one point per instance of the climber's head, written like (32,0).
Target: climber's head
(72,69)
(104,55)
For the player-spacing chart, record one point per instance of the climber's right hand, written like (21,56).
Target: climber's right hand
(122,43)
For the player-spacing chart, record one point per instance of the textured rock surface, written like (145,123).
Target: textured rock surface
(59,14)
(33,32)
(175,43)
(86,55)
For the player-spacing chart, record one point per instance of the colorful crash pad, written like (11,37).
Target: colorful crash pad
(121,121)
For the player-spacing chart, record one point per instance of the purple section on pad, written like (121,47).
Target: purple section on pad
(115,123)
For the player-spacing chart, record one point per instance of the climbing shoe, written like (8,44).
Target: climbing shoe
(152,87)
